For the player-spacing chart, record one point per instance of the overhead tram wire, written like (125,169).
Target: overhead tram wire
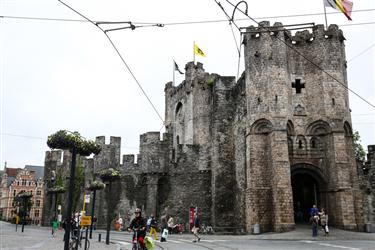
(119,54)
(25,136)
(230,19)
(303,56)
(361,53)
(190,22)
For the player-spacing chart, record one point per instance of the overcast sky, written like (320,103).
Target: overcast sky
(66,75)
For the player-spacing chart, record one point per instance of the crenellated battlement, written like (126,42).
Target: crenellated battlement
(194,75)
(265,31)
(128,159)
(113,140)
(149,138)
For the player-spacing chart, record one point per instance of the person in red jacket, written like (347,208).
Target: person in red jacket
(138,225)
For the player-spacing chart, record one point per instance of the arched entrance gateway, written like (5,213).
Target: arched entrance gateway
(309,188)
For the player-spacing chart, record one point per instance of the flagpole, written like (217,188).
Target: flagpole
(194,52)
(325,13)
(173,71)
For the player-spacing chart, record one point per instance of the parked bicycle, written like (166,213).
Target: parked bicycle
(77,242)
(205,229)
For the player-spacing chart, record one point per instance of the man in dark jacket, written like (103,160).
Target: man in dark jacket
(138,225)
(196,227)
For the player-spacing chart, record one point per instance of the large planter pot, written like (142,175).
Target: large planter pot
(66,140)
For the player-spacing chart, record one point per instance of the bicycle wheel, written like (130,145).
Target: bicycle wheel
(72,245)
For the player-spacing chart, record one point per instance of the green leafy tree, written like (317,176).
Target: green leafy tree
(360,153)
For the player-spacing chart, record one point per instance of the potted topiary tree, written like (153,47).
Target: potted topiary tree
(109,175)
(24,201)
(93,187)
(76,144)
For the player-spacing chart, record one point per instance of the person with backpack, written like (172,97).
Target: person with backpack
(153,227)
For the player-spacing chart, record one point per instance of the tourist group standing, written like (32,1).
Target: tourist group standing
(318,218)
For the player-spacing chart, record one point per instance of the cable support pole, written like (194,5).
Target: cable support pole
(119,54)
(228,17)
(231,20)
(303,56)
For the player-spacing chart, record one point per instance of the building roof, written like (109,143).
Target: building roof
(39,171)
(11,172)
(10,180)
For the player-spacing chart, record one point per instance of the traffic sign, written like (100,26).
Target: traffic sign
(87,198)
(85,220)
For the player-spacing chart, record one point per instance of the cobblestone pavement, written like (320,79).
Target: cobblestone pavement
(40,238)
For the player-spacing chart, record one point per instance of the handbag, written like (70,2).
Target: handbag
(165,233)
(326,229)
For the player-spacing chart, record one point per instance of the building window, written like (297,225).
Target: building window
(14,192)
(37,213)
(37,203)
(38,192)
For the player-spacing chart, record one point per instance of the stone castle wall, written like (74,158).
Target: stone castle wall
(234,148)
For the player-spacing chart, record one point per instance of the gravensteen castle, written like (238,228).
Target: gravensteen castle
(257,151)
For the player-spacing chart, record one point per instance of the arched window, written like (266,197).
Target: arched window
(314,143)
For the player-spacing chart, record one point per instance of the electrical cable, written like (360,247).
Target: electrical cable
(361,53)
(190,22)
(119,54)
(234,36)
(303,56)
(25,136)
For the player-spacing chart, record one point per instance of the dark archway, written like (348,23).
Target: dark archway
(308,189)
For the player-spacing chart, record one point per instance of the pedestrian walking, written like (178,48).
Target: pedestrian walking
(170,225)
(164,230)
(55,225)
(314,211)
(149,223)
(324,221)
(120,222)
(153,226)
(94,220)
(315,223)
(196,227)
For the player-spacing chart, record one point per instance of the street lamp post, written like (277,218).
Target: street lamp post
(108,213)
(94,186)
(92,211)
(70,199)
(109,175)
(54,195)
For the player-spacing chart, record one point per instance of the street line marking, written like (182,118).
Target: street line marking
(186,240)
(174,241)
(123,243)
(329,245)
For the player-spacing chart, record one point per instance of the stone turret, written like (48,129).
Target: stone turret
(297,109)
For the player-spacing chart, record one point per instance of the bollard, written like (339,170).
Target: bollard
(256,229)
(100,237)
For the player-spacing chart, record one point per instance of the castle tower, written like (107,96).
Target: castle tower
(299,149)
